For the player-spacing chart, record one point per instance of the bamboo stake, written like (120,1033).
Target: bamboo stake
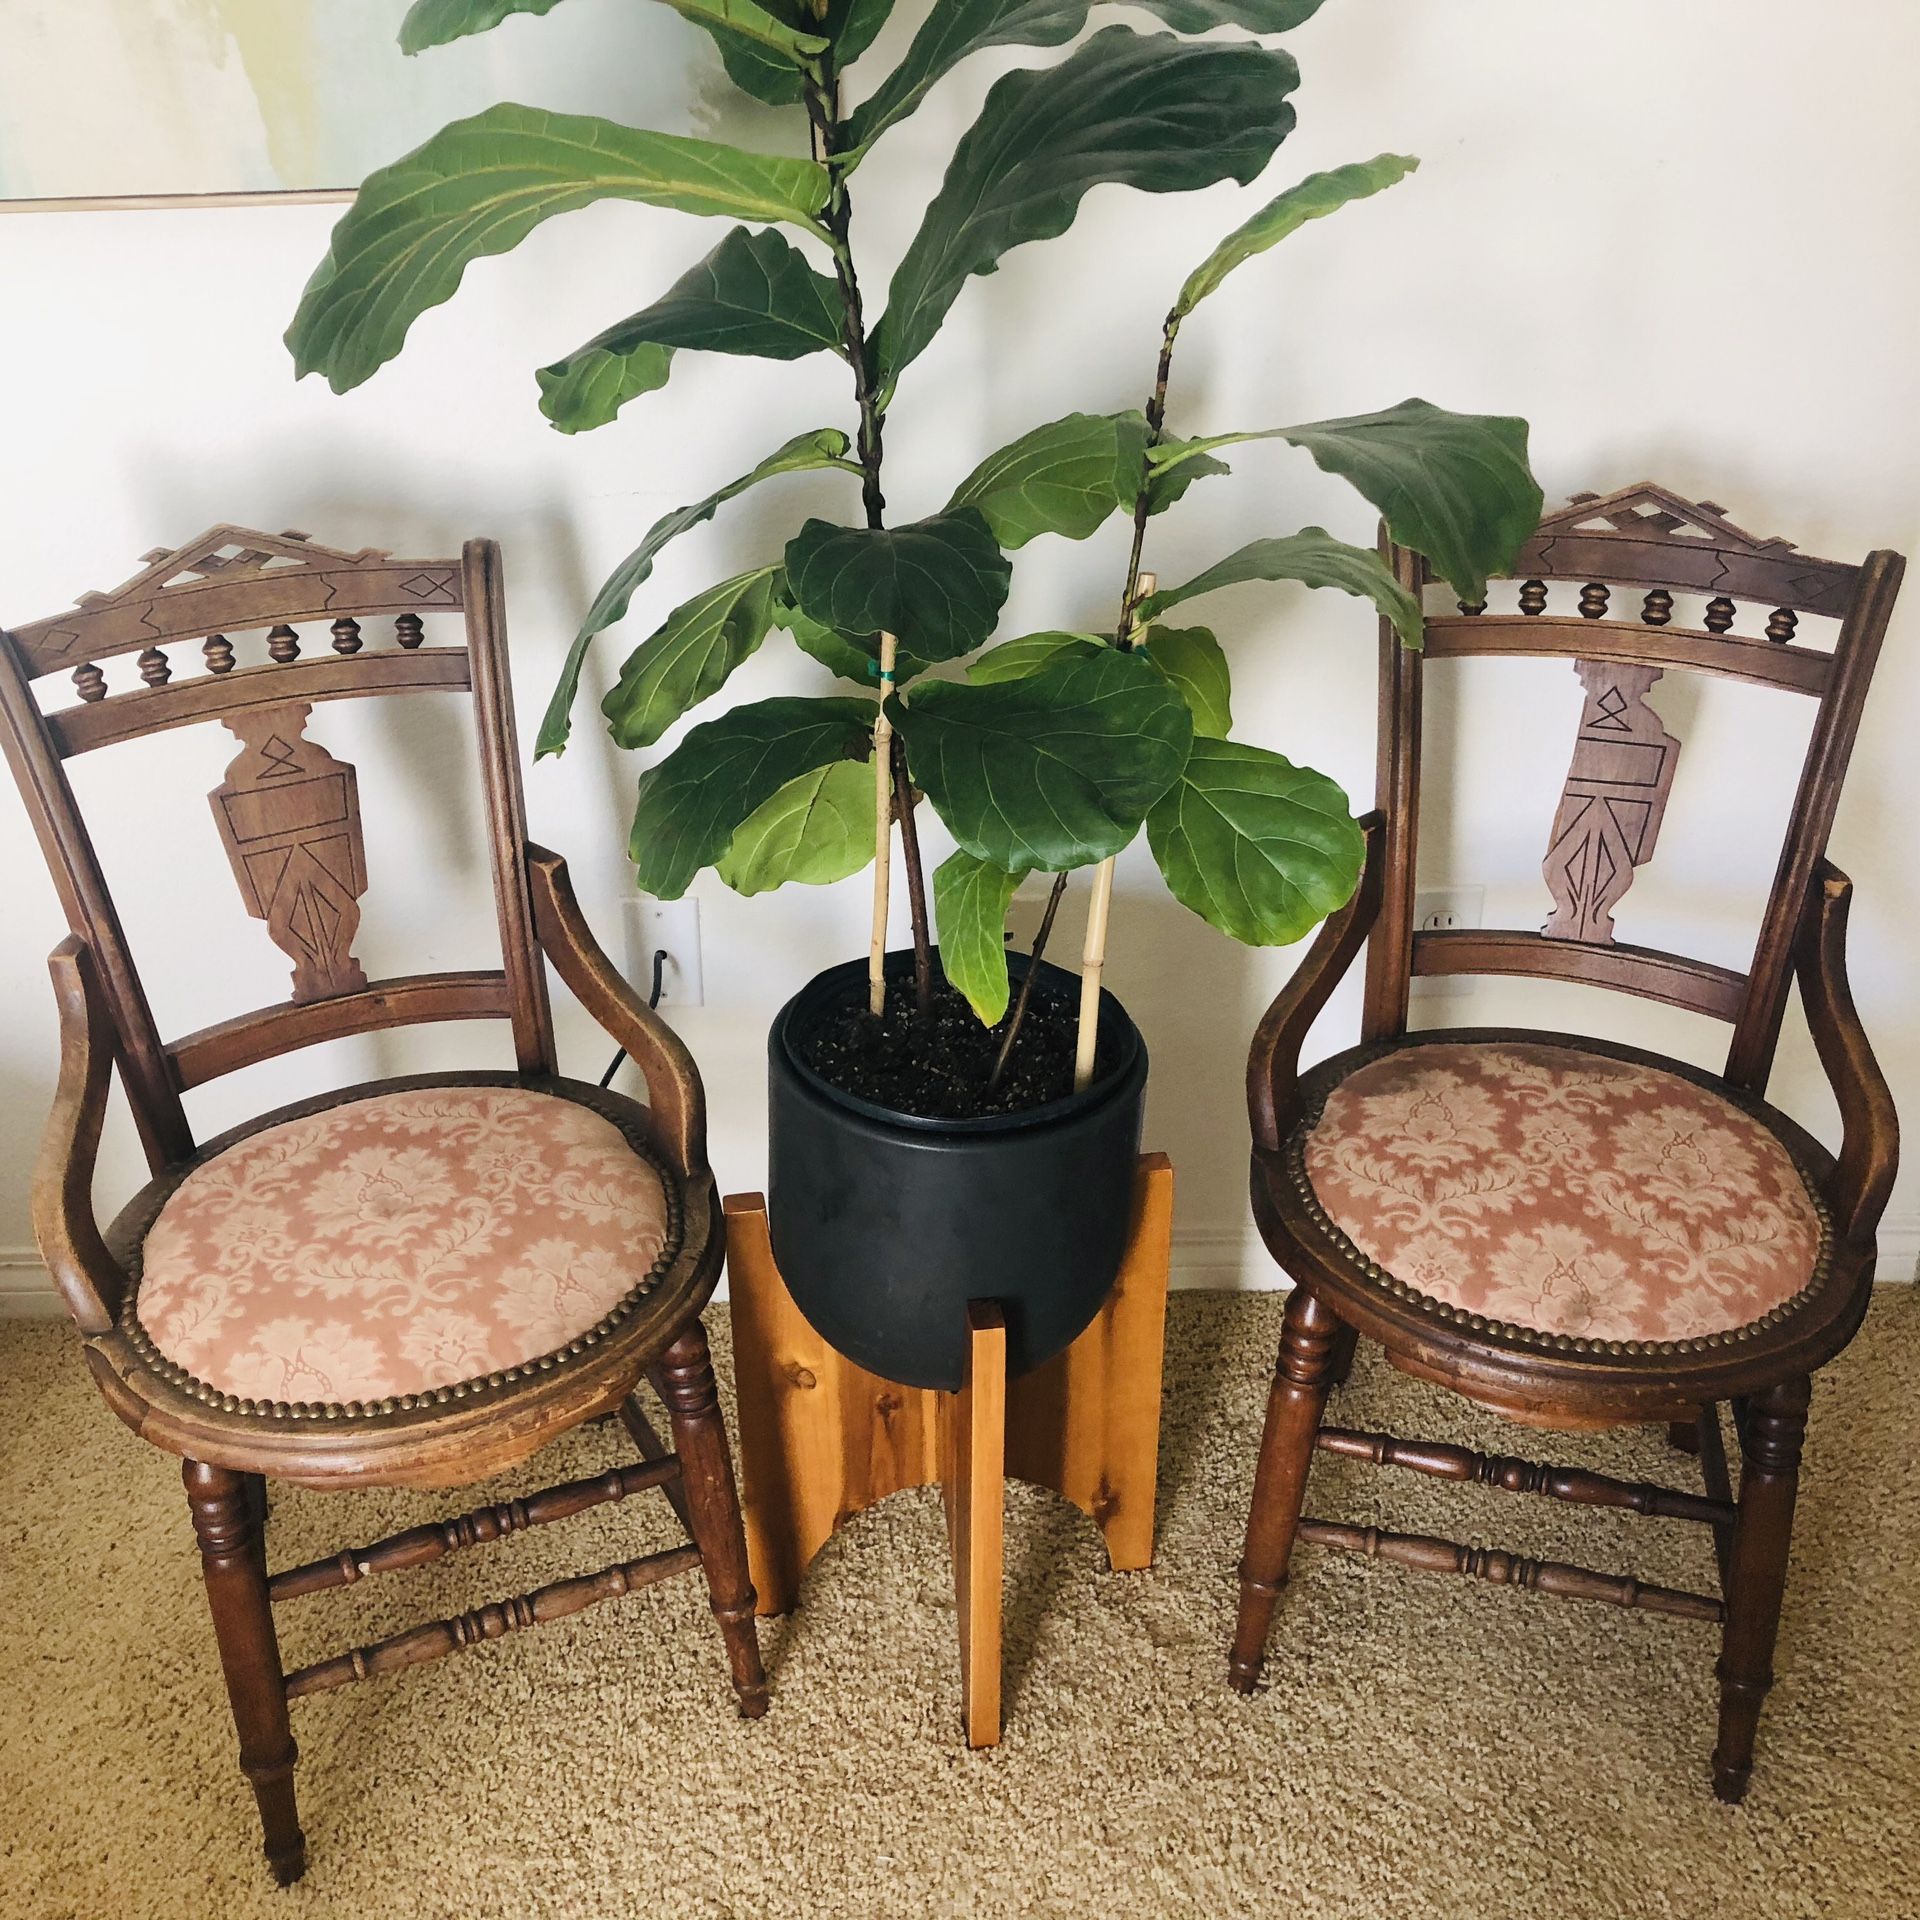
(882,832)
(1093,961)
(1093,954)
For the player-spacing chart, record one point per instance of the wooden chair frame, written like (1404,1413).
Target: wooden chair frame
(231,580)
(1647,539)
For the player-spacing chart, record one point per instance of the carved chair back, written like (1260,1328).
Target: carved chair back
(1629,554)
(217,630)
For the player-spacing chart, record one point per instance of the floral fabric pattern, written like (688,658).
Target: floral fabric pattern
(398,1244)
(1563,1191)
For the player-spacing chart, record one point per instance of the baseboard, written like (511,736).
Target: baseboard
(1205,1260)
(26,1293)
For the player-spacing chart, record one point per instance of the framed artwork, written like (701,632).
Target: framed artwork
(117,103)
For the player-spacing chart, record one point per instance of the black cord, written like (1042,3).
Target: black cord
(653,1000)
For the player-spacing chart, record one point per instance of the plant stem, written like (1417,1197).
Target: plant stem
(882,836)
(916,875)
(1026,985)
(822,95)
(1093,958)
(1143,500)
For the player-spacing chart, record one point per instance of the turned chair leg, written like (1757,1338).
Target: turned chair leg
(1308,1345)
(1340,1362)
(684,1378)
(223,1505)
(1770,1439)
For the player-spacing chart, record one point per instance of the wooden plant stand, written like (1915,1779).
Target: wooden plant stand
(822,1439)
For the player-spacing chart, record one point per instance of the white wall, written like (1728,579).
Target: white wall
(1677,239)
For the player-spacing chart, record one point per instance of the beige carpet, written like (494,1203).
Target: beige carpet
(1426,1747)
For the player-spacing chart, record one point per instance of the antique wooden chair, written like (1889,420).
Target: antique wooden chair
(412,1283)
(1575,1234)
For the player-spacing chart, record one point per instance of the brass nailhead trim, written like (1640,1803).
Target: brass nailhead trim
(195,1388)
(1319,1085)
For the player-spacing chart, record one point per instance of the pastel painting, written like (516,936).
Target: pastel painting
(164,99)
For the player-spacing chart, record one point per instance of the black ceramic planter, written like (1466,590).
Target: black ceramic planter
(885,1225)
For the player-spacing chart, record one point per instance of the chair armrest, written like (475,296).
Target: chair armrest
(674,1091)
(1273,1064)
(1870,1129)
(91,1281)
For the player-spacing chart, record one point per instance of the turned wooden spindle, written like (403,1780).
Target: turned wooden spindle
(89,682)
(1657,609)
(1511,1475)
(1719,614)
(1425,1553)
(559,1600)
(1533,596)
(409,630)
(283,644)
(1782,624)
(154,669)
(420,1546)
(1472,607)
(1593,600)
(219,653)
(346,635)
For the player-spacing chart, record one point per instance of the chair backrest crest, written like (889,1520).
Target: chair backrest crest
(288,811)
(1656,544)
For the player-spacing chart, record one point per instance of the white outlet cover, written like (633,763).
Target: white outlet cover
(674,925)
(1449,908)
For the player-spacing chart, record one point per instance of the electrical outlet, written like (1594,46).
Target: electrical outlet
(672,925)
(1449,909)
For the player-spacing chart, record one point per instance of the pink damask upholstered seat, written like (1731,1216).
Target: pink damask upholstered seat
(1563,1191)
(400,1244)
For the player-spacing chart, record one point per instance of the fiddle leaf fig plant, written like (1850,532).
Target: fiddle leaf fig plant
(1044,752)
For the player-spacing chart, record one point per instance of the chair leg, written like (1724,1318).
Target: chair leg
(1771,1435)
(222,1503)
(1301,1380)
(1340,1364)
(1683,1436)
(685,1382)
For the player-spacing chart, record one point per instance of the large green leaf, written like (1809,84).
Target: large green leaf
(432,23)
(1256,846)
(937,585)
(1134,109)
(1317,195)
(690,658)
(1053,772)
(1030,654)
(957,28)
(480,187)
(753,294)
(1314,558)
(1066,477)
(970,902)
(814,831)
(1454,486)
(824,447)
(1195,662)
(692,804)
